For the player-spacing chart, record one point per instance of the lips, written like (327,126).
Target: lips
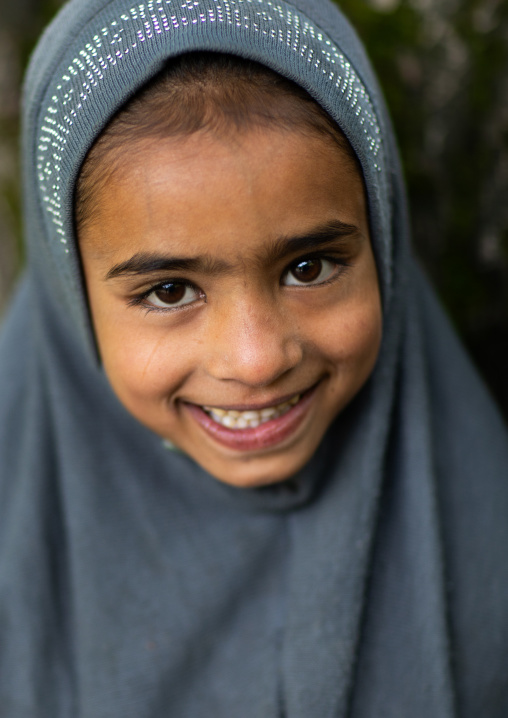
(253,429)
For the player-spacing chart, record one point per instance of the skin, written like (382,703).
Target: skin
(251,329)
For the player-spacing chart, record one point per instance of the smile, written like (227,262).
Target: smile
(251,430)
(250,419)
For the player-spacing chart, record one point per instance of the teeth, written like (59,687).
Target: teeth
(249,419)
(249,415)
(267,413)
(220,412)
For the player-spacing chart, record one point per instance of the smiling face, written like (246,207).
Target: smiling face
(234,294)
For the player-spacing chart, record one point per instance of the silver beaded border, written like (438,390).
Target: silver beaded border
(146,22)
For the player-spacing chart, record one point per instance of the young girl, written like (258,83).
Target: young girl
(246,469)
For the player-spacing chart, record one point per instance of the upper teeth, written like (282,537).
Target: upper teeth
(245,419)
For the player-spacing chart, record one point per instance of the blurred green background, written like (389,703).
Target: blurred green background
(443,65)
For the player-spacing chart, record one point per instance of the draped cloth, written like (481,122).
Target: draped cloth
(135,585)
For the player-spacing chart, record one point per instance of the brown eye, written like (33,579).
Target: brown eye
(309,271)
(170,293)
(173,294)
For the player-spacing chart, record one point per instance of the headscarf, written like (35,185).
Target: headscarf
(135,585)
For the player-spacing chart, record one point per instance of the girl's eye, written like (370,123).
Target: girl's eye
(172,294)
(309,271)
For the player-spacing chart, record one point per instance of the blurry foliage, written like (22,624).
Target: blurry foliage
(443,65)
(21,23)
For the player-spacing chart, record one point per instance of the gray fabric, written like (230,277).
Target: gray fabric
(132,584)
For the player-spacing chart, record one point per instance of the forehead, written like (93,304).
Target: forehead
(223,195)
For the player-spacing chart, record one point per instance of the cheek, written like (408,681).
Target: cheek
(143,366)
(350,337)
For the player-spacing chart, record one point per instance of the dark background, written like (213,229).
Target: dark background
(443,65)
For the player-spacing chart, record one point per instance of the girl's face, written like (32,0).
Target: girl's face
(234,295)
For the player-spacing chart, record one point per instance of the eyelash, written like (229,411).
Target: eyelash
(140,300)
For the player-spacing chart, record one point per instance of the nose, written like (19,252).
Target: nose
(253,342)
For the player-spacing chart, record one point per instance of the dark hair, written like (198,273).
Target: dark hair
(201,91)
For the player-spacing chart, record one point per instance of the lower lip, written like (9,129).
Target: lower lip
(265,436)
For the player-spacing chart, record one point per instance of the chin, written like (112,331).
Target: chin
(255,472)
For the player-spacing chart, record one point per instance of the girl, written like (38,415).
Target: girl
(246,468)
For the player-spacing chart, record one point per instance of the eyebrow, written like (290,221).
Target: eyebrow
(328,233)
(143,263)
(148,263)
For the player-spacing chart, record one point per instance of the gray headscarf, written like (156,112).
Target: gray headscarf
(133,584)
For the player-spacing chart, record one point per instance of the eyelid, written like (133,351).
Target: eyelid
(339,255)
(140,284)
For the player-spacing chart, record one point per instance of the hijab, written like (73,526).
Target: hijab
(135,585)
